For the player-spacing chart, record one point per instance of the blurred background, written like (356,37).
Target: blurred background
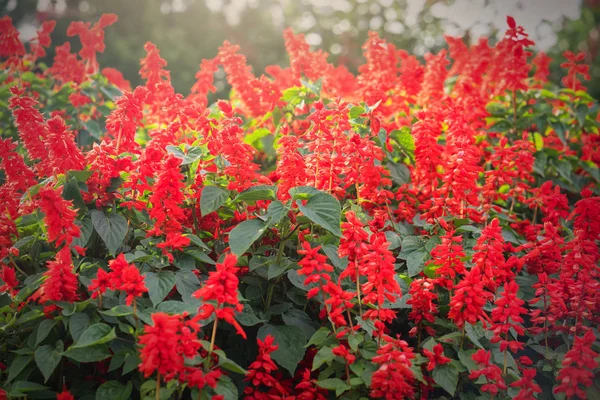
(187,31)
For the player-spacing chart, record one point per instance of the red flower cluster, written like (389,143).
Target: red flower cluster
(123,276)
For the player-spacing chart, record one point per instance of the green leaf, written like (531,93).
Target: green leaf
(187,283)
(190,155)
(17,366)
(78,323)
(291,343)
(226,388)
(88,354)
(474,333)
(324,355)
(159,285)
(118,311)
(538,141)
(447,377)
(112,229)
(415,261)
(465,357)
(399,173)
(302,192)
(299,319)
(95,334)
(356,112)
(262,192)
(275,212)
(247,317)
(212,198)
(44,329)
(405,140)
(71,192)
(20,387)
(319,337)
(47,358)
(334,384)
(245,234)
(228,364)
(114,390)
(87,228)
(324,210)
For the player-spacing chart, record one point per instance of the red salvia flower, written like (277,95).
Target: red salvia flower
(344,352)
(468,300)
(447,256)
(577,367)
(489,258)
(61,282)
(574,68)
(260,374)
(422,298)
(160,347)
(59,216)
(9,278)
(507,316)
(10,45)
(92,39)
(436,357)
(491,372)
(132,283)
(393,379)
(222,288)
(64,395)
(527,385)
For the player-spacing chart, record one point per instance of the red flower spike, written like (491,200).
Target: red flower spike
(436,357)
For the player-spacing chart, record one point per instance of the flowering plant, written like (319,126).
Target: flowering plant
(412,231)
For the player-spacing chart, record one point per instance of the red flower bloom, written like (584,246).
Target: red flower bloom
(132,283)
(160,351)
(467,303)
(507,316)
(344,352)
(64,395)
(577,367)
(394,378)
(61,283)
(92,39)
(436,358)
(59,216)
(491,372)
(9,277)
(260,374)
(222,287)
(527,385)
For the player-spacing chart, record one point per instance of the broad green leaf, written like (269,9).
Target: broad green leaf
(299,319)
(87,228)
(159,285)
(78,323)
(302,192)
(324,210)
(212,198)
(47,358)
(245,234)
(44,329)
(399,173)
(356,112)
(114,390)
(188,156)
(88,354)
(324,355)
(186,283)
(334,384)
(17,366)
(247,317)
(228,364)
(415,262)
(112,228)
(447,377)
(71,192)
(118,311)
(94,335)
(226,388)
(263,192)
(291,343)
(319,337)
(275,212)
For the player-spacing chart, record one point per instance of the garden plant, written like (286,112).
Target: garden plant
(413,231)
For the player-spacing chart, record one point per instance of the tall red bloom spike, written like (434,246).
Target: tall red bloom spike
(61,282)
(577,367)
(91,38)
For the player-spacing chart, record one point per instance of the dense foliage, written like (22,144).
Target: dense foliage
(415,231)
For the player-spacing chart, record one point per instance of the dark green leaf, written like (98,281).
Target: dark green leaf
(212,198)
(159,285)
(47,358)
(399,173)
(447,377)
(275,212)
(94,335)
(114,390)
(245,234)
(17,366)
(324,210)
(78,323)
(291,343)
(226,388)
(299,319)
(43,330)
(112,229)
(263,192)
(356,112)
(324,355)
(187,283)
(118,311)
(415,262)
(88,354)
